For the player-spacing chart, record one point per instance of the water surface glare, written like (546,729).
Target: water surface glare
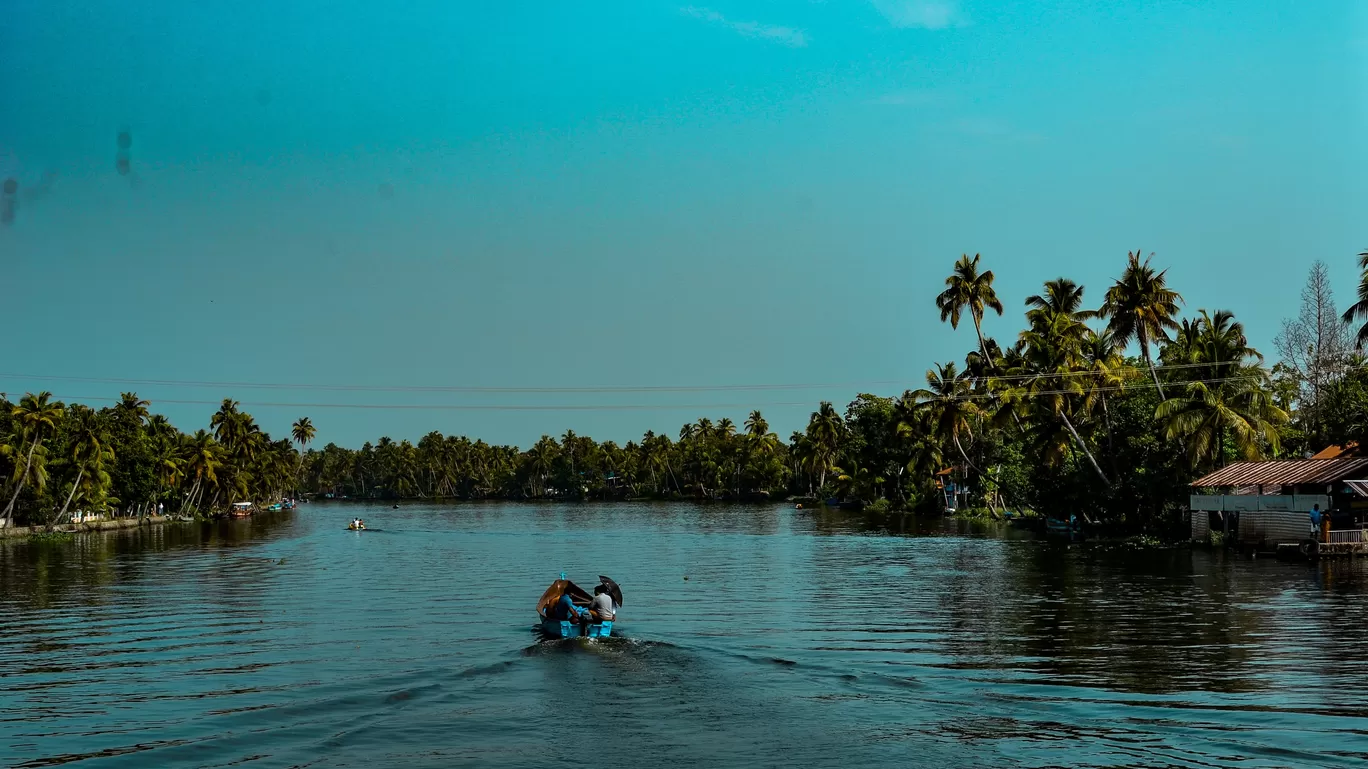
(752,636)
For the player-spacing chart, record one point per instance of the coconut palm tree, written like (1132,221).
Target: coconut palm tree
(133,407)
(1052,360)
(949,402)
(1141,306)
(1226,394)
(1359,310)
(968,289)
(824,431)
(303,432)
(202,456)
(90,452)
(37,417)
(1061,297)
(756,425)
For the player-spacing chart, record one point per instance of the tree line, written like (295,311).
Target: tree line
(1058,421)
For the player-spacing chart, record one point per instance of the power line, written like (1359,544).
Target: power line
(603,389)
(1138,385)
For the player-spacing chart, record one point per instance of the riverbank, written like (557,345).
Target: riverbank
(23,532)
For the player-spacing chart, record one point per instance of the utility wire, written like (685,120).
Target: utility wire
(1140,384)
(1120,370)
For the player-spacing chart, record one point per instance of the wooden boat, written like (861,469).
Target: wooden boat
(240,510)
(1055,527)
(570,628)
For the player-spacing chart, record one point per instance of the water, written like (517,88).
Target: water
(752,637)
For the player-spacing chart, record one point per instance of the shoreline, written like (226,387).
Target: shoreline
(118,524)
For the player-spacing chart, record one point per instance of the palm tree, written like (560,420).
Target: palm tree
(1227,393)
(1359,310)
(1062,297)
(756,425)
(1103,362)
(968,289)
(1052,359)
(1141,306)
(90,451)
(825,428)
(133,407)
(37,416)
(949,402)
(1205,414)
(923,450)
(202,457)
(303,432)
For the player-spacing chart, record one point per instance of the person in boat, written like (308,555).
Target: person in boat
(603,609)
(358,524)
(565,609)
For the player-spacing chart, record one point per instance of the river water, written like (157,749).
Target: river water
(752,636)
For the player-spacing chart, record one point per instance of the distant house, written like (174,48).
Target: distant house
(1266,504)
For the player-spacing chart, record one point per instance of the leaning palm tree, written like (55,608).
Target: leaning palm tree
(968,289)
(1141,306)
(90,454)
(37,417)
(950,405)
(1051,364)
(1359,310)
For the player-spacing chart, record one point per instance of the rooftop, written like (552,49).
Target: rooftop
(1289,472)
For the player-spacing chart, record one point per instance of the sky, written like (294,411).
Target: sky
(753,204)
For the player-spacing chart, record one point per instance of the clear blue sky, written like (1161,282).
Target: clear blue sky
(640,193)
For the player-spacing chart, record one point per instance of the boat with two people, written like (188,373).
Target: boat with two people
(356,525)
(567,610)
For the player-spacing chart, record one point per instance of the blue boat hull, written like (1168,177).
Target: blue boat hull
(555,628)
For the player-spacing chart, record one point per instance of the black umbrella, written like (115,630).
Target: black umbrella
(613,589)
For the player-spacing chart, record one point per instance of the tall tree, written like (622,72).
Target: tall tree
(1315,345)
(824,432)
(37,417)
(950,404)
(1141,306)
(971,290)
(303,432)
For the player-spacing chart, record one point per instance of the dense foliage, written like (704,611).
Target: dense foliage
(1060,422)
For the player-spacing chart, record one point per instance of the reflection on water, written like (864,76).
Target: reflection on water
(752,636)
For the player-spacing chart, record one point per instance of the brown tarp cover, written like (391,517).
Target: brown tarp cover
(559,588)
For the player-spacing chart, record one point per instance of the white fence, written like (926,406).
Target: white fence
(1346,536)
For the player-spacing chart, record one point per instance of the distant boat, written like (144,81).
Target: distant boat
(240,510)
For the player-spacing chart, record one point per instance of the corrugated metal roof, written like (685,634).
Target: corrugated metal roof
(1289,472)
